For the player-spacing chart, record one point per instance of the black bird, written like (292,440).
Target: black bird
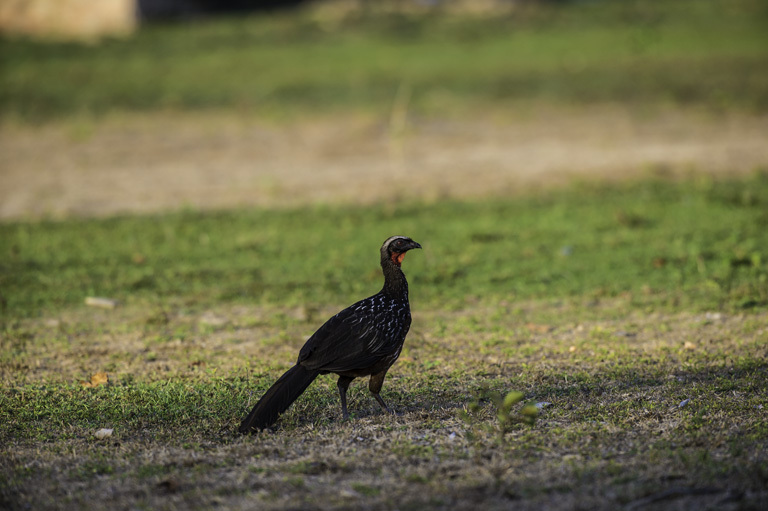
(364,339)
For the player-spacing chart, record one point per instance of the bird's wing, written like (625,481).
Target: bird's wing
(352,339)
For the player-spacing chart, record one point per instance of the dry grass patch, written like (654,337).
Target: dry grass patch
(646,411)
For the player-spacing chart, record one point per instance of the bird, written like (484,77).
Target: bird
(364,339)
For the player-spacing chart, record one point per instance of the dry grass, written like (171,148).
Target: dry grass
(156,162)
(614,435)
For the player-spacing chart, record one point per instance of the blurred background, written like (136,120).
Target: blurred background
(123,106)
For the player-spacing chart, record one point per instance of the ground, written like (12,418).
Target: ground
(589,181)
(156,162)
(642,407)
(666,421)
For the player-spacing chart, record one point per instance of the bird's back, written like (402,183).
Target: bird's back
(360,336)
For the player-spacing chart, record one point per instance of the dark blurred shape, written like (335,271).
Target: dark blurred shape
(169,9)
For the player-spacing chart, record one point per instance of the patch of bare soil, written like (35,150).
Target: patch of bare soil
(156,162)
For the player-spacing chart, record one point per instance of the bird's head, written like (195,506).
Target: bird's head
(394,249)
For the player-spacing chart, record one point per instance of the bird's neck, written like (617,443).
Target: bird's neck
(395,284)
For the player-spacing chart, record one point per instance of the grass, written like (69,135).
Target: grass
(706,54)
(694,244)
(633,313)
(638,311)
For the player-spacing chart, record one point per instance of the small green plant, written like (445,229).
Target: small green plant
(505,414)
(504,406)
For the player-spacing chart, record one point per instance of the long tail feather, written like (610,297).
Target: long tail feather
(278,398)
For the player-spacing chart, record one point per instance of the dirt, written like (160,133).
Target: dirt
(142,163)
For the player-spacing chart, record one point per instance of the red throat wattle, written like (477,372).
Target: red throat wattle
(397,257)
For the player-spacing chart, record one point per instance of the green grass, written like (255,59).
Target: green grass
(651,53)
(691,245)
(616,304)
(638,309)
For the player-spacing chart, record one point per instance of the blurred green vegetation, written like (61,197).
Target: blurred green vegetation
(709,53)
(690,245)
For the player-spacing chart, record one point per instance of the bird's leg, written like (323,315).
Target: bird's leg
(343,384)
(374,385)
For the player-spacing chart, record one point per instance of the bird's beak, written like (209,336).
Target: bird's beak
(413,245)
